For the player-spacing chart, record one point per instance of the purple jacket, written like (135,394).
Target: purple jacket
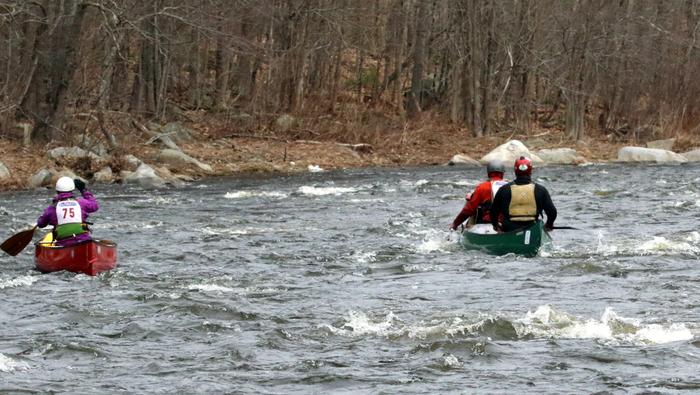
(88,204)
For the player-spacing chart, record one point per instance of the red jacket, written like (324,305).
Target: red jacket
(481,195)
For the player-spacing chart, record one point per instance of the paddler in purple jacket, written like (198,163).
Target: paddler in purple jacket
(68,214)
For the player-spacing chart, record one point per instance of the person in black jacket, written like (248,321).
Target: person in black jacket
(520,203)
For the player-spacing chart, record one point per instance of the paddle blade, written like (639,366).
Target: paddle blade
(15,244)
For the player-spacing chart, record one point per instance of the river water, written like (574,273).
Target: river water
(349,282)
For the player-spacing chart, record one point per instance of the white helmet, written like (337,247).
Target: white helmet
(65,184)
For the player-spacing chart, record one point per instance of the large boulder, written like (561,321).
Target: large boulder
(692,156)
(86,142)
(560,156)
(4,171)
(145,176)
(640,154)
(463,160)
(55,175)
(666,144)
(509,152)
(40,179)
(179,159)
(285,122)
(104,176)
(177,131)
(132,161)
(70,153)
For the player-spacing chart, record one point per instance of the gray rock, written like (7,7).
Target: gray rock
(666,144)
(179,159)
(560,156)
(177,131)
(132,161)
(4,171)
(90,144)
(64,173)
(285,122)
(640,154)
(692,156)
(124,174)
(535,142)
(509,152)
(168,177)
(145,176)
(463,160)
(104,176)
(62,153)
(40,179)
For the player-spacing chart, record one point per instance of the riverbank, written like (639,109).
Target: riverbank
(302,145)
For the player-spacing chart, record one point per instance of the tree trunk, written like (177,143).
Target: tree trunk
(414,106)
(222,69)
(60,65)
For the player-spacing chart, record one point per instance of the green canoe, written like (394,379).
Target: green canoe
(526,241)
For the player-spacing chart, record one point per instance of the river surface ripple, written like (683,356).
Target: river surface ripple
(346,282)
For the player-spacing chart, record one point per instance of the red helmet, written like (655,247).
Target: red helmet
(523,166)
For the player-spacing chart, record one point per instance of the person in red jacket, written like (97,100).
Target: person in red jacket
(479,203)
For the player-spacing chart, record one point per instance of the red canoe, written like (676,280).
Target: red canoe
(91,257)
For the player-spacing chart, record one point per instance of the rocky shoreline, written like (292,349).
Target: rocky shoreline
(178,154)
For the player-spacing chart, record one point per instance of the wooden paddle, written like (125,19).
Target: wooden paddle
(15,244)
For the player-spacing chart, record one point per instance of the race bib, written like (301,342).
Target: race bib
(68,212)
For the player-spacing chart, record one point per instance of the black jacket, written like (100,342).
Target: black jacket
(501,203)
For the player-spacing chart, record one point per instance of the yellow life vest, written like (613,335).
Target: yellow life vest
(523,206)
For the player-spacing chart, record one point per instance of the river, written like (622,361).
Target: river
(350,282)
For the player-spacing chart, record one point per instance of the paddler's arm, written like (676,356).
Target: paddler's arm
(88,202)
(480,195)
(45,218)
(547,205)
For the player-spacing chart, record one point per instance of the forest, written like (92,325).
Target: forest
(586,67)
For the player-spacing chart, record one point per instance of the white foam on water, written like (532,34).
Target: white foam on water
(435,240)
(252,194)
(359,324)
(419,268)
(366,200)
(693,237)
(657,245)
(217,288)
(659,334)
(8,364)
(546,322)
(210,288)
(158,200)
(421,183)
(450,361)
(229,232)
(432,244)
(365,257)
(144,225)
(23,281)
(662,246)
(322,191)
